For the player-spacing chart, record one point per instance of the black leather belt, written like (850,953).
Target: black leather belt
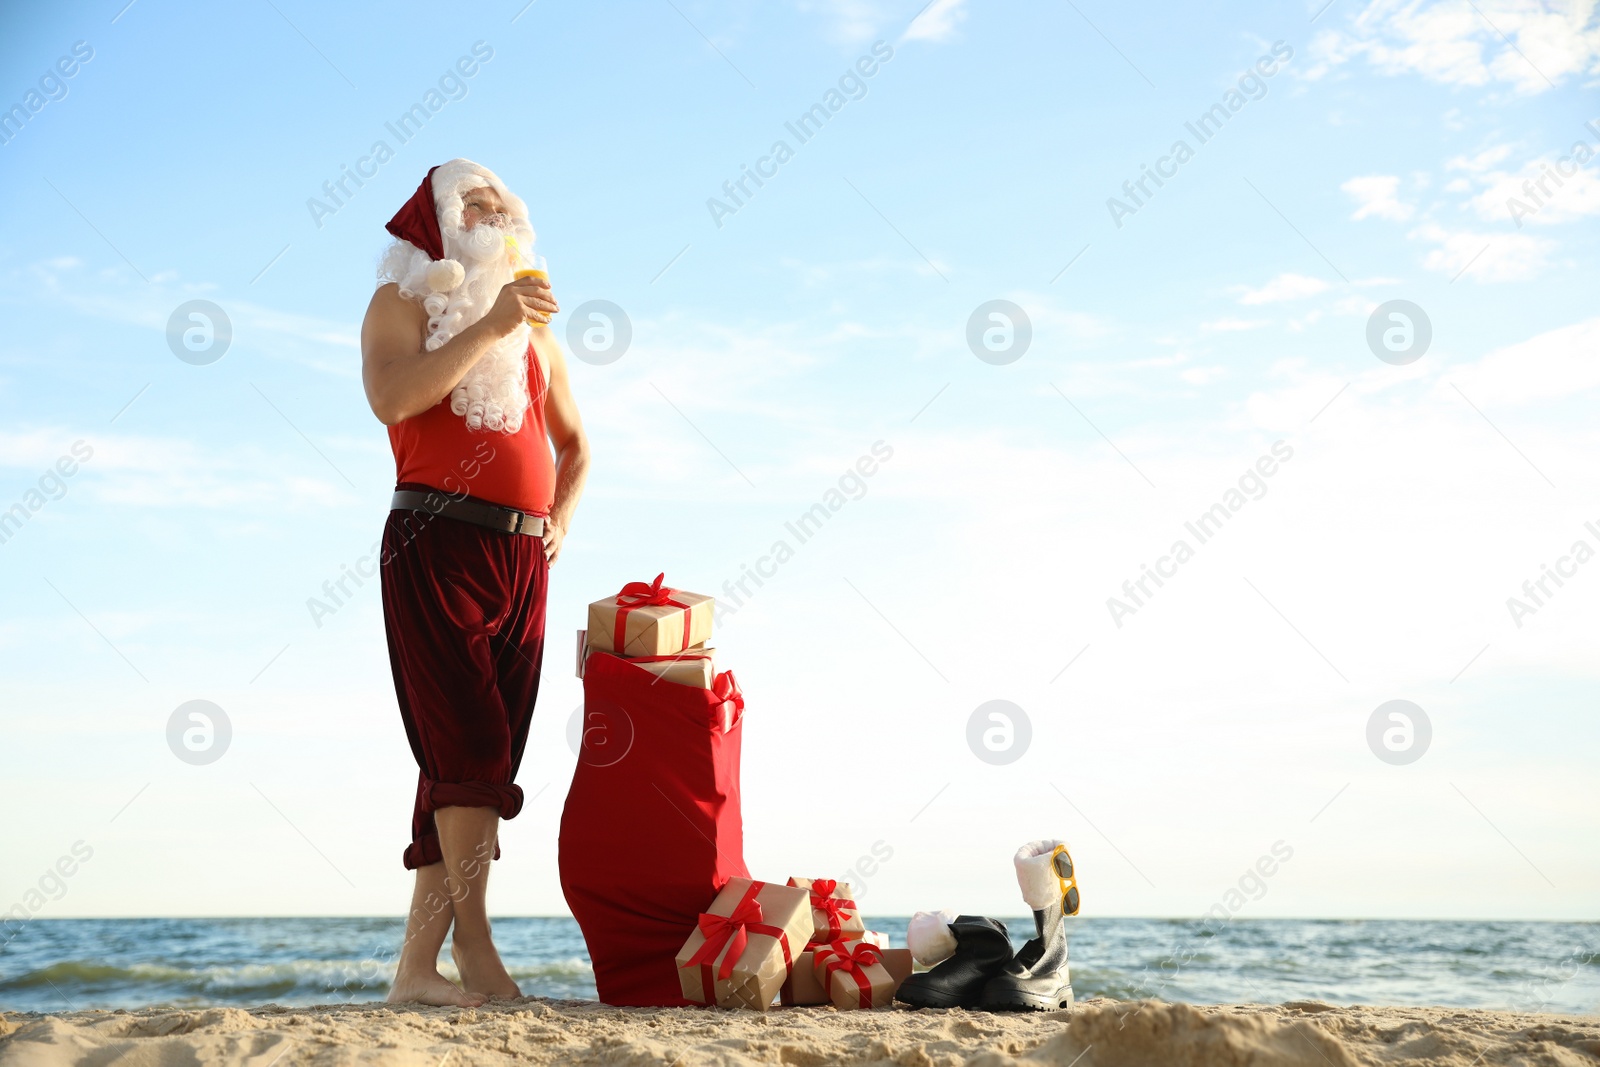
(495,517)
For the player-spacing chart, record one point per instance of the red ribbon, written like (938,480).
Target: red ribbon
(835,908)
(641,595)
(839,956)
(734,932)
(727,931)
(730,701)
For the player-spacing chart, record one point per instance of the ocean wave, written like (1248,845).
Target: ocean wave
(261,979)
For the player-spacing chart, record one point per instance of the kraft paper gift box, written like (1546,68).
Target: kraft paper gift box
(743,947)
(650,619)
(834,912)
(857,974)
(696,667)
(584,652)
(803,986)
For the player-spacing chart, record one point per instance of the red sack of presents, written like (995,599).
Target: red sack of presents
(652,827)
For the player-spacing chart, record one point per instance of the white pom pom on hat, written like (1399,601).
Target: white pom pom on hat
(445,274)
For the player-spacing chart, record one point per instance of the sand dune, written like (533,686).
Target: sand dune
(1098,1033)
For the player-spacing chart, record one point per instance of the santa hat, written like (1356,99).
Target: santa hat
(431,219)
(417,220)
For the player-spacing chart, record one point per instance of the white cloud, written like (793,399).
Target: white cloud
(1482,161)
(1485,257)
(854,21)
(1377,195)
(139,470)
(857,21)
(1284,287)
(1540,193)
(1232,325)
(1527,44)
(937,21)
(1551,365)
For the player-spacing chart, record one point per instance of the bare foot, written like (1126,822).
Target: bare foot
(481,970)
(431,987)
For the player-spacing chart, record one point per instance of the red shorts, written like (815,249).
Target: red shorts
(463,608)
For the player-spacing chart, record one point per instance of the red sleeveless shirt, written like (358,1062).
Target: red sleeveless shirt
(514,470)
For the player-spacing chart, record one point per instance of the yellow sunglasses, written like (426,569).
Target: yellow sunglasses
(1061,862)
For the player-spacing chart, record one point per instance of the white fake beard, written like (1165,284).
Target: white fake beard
(494,393)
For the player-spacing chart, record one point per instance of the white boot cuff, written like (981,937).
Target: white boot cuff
(929,938)
(1036,875)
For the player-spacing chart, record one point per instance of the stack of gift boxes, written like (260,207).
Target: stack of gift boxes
(661,629)
(800,943)
(844,963)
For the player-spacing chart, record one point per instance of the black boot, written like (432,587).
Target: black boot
(982,949)
(1037,979)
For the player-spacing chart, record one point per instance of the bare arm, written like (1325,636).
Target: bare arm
(567,436)
(402,378)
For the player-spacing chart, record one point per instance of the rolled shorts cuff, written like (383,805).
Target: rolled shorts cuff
(507,799)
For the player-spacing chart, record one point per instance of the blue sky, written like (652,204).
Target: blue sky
(1168,354)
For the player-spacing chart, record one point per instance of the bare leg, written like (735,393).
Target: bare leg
(467,839)
(417,978)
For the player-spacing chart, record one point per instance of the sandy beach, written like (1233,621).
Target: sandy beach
(1097,1033)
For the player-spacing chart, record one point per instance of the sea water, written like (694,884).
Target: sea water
(73,964)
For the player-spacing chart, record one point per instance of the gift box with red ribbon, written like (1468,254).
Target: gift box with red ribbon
(804,988)
(834,913)
(858,974)
(650,619)
(744,946)
(696,667)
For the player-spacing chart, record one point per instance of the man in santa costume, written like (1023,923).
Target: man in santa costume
(459,363)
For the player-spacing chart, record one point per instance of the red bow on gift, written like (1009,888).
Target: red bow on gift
(729,930)
(645,594)
(837,910)
(839,956)
(638,594)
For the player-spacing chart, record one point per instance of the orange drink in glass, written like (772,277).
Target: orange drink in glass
(534,266)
